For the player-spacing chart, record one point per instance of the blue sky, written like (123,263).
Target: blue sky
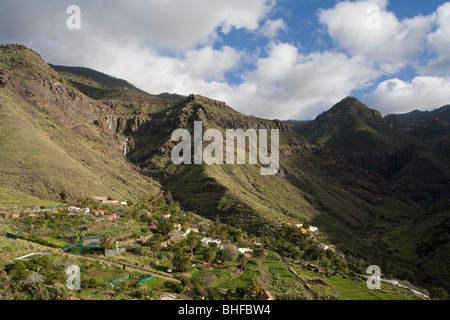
(285,59)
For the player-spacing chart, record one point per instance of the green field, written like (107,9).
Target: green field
(351,290)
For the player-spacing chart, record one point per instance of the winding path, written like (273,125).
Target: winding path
(303,283)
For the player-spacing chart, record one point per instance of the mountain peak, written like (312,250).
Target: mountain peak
(13,56)
(349,108)
(352,106)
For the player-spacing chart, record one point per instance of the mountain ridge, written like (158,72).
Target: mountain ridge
(362,210)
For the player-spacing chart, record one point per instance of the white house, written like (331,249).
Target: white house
(207,241)
(323,247)
(313,229)
(246,251)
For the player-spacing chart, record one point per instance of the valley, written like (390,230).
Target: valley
(376,188)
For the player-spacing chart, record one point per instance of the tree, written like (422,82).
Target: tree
(164,226)
(155,244)
(224,255)
(241,260)
(253,289)
(181,261)
(191,242)
(438,294)
(210,254)
(107,244)
(169,198)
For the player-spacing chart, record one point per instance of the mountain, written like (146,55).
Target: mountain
(422,118)
(55,141)
(361,136)
(377,192)
(411,160)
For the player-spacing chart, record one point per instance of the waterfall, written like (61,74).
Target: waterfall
(125,148)
(111,121)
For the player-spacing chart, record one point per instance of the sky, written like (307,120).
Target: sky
(274,59)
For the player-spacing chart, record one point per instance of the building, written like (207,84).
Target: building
(266,296)
(78,210)
(323,247)
(5,215)
(194,230)
(246,251)
(207,241)
(313,229)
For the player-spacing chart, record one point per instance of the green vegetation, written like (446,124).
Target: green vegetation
(377,192)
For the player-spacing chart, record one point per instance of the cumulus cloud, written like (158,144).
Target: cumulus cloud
(422,93)
(291,85)
(439,44)
(212,64)
(272,28)
(368,30)
(169,23)
(179,46)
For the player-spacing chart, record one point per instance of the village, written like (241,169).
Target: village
(171,253)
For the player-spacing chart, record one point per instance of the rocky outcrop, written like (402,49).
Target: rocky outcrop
(383,162)
(3,78)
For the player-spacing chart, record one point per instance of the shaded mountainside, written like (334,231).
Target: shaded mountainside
(412,159)
(364,183)
(361,136)
(422,118)
(313,186)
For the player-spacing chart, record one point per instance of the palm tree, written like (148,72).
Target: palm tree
(209,255)
(241,260)
(252,289)
(181,261)
(107,244)
(155,244)
(192,242)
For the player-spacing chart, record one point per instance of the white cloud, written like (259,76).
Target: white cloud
(390,45)
(176,46)
(211,64)
(422,93)
(157,73)
(172,24)
(439,44)
(290,85)
(272,28)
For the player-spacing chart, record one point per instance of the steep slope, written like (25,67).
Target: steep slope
(312,186)
(57,143)
(50,147)
(361,136)
(414,161)
(421,118)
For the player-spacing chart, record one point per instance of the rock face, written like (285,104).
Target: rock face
(383,162)
(3,77)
